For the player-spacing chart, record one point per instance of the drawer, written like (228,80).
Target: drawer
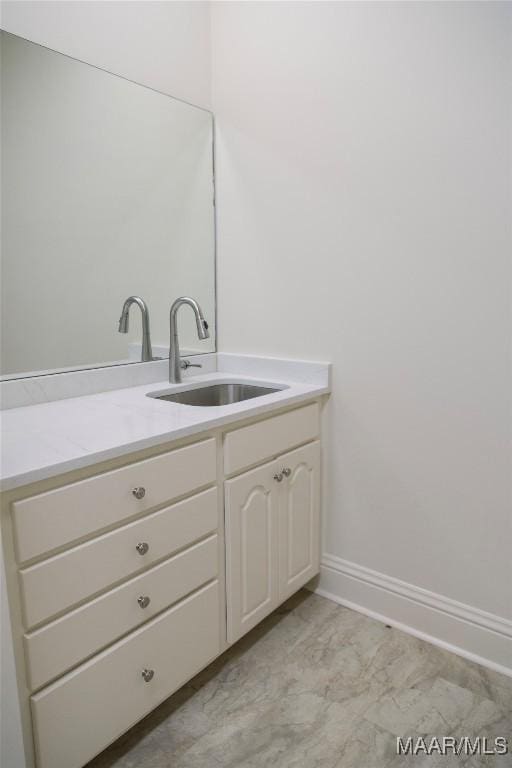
(62,581)
(64,643)
(258,442)
(51,520)
(84,711)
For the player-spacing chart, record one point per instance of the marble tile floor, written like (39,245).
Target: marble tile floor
(317,685)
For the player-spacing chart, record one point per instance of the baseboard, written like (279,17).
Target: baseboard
(462,629)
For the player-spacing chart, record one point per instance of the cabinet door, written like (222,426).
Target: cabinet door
(252,508)
(299,518)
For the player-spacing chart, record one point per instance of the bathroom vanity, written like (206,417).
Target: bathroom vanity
(129,575)
(146,526)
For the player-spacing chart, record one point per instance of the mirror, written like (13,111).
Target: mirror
(107,192)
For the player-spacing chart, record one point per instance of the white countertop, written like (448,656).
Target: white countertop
(45,440)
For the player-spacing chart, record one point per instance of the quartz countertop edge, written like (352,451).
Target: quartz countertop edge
(50,439)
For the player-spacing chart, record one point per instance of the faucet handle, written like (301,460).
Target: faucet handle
(187,364)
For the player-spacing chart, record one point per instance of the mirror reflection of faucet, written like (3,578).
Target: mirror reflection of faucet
(147,352)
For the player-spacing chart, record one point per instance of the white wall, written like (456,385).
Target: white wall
(364,212)
(165,45)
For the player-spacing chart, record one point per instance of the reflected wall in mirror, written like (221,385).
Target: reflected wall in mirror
(107,192)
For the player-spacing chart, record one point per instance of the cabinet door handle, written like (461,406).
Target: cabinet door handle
(147,675)
(139,492)
(142,547)
(287,471)
(278,477)
(143,601)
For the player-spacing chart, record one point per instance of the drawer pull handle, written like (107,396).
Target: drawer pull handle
(278,476)
(143,601)
(142,547)
(139,492)
(287,471)
(148,674)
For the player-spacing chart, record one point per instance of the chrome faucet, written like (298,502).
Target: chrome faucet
(175,363)
(147,352)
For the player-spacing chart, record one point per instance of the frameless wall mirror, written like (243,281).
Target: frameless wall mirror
(107,193)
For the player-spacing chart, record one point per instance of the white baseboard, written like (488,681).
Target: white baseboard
(462,629)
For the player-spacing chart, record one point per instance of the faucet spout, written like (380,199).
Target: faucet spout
(124,323)
(174,348)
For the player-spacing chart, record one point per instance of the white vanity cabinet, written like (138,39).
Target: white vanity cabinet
(117,590)
(252,529)
(80,714)
(272,535)
(299,519)
(272,515)
(126,579)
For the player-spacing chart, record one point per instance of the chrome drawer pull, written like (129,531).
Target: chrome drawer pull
(148,674)
(287,471)
(142,547)
(143,601)
(278,477)
(139,492)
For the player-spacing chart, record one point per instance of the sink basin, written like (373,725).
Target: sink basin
(217,394)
